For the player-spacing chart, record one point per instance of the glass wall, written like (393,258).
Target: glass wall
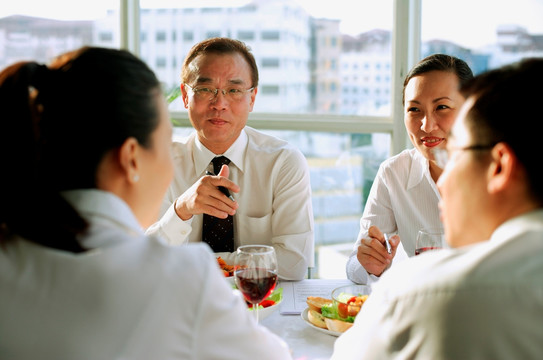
(311,63)
(330,72)
(485,33)
(40,30)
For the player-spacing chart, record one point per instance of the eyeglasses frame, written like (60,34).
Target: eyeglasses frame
(216,92)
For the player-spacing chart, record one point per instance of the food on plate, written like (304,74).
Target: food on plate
(228,270)
(350,306)
(335,316)
(274,298)
(315,303)
(316,318)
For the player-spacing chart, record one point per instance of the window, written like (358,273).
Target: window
(31,29)
(270,63)
(270,35)
(269,89)
(328,81)
(161,62)
(105,37)
(212,34)
(161,36)
(188,36)
(508,33)
(246,35)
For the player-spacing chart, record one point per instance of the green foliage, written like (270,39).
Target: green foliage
(173,94)
(170,97)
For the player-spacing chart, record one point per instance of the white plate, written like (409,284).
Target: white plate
(326,331)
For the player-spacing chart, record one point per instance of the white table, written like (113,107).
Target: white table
(305,342)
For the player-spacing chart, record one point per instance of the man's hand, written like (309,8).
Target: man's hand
(204,197)
(372,252)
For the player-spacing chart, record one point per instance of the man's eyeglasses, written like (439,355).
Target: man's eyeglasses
(206,93)
(441,156)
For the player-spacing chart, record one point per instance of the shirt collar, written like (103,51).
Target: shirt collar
(236,153)
(419,168)
(518,225)
(94,203)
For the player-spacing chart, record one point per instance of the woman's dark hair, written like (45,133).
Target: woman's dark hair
(439,62)
(505,110)
(219,45)
(57,124)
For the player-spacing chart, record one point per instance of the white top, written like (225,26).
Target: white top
(403,199)
(131,297)
(274,199)
(478,302)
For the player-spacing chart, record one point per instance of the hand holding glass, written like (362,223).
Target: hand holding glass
(255,273)
(429,239)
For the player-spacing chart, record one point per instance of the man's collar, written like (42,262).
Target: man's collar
(236,153)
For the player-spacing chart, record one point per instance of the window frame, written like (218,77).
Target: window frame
(406,39)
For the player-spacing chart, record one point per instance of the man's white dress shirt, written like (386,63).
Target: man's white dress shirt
(483,301)
(129,297)
(274,200)
(403,199)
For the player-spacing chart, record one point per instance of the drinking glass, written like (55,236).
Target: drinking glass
(255,273)
(429,239)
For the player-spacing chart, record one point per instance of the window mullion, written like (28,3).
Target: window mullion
(130,25)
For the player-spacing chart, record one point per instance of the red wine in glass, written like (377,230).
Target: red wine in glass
(256,289)
(421,250)
(255,273)
(429,239)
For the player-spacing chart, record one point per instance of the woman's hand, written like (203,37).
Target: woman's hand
(372,252)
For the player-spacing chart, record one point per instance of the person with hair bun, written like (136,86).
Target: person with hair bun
(85,157)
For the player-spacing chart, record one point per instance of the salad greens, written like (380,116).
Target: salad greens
(331,311)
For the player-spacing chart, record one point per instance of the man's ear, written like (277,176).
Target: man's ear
(253,97)
(128,160)
(502,168)
(184,95)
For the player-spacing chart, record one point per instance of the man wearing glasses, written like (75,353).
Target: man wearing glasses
(483,298)
(262,195)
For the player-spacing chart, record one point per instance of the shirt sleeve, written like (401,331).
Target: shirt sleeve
(292,218)
(378,211)
(171,228)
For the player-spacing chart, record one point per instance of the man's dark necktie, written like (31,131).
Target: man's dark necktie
(219,233)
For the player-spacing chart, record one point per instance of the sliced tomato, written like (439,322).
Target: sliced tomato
(267,303)
(343,310)
(353,299)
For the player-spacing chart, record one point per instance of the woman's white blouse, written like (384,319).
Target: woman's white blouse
(403,199)
(130,297)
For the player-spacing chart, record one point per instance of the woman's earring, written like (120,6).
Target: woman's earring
(136,178)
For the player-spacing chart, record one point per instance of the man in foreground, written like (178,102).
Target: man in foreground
(482,299)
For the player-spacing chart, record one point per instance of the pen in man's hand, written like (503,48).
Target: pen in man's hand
(222,188)
(387,243)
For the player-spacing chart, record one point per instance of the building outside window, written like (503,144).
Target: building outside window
(328,79)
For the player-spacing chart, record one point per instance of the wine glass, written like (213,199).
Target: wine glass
(255,273)
(429,239)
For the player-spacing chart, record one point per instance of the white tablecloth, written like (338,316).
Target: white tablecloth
(305,342)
